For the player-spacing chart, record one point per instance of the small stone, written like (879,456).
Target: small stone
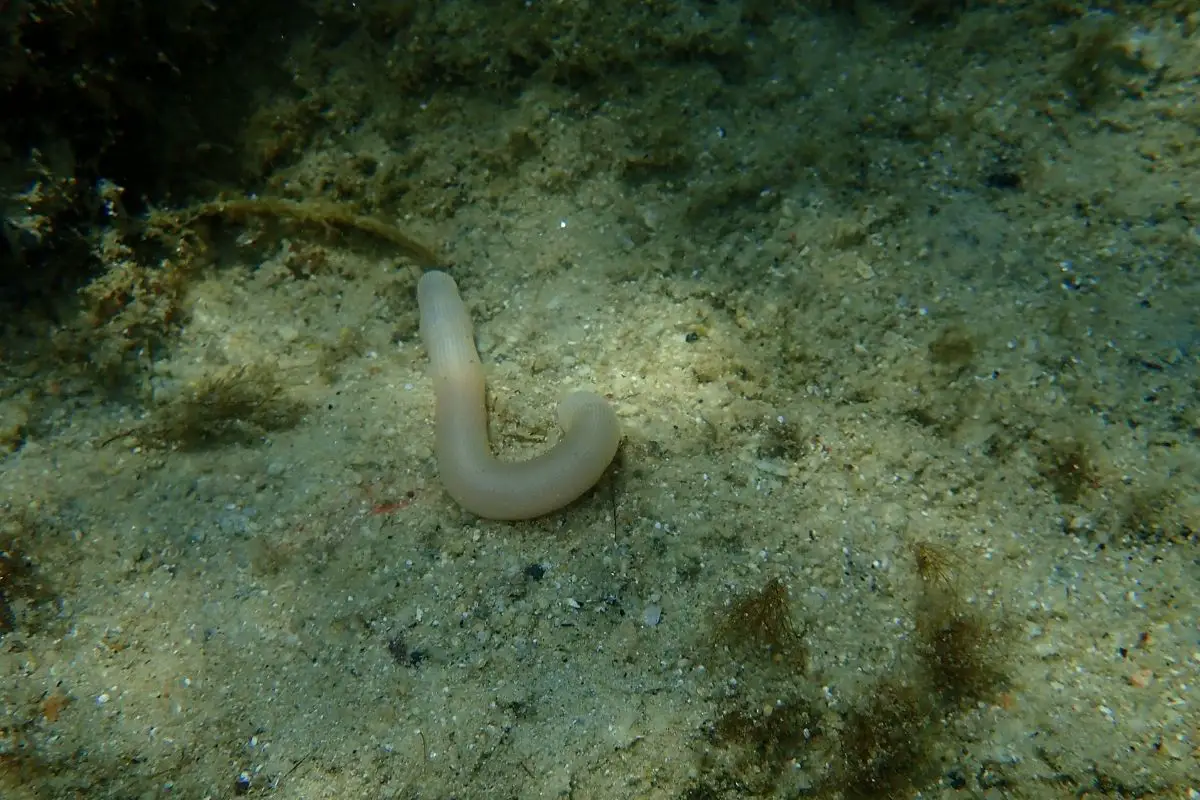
(1142,678)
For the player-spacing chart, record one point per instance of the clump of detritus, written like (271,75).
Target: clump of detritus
(238,404)
(24,591)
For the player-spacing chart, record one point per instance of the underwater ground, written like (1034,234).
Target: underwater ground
(898,305)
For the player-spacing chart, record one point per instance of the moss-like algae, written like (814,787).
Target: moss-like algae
(239,404)
(883,744)
(330,216)
(1068,465)
(1091,71)
(21,582)
(759,625)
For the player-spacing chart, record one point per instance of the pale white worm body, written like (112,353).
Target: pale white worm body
(476,479)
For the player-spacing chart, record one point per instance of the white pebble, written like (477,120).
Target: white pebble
(651,615)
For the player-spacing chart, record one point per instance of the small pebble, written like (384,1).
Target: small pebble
(1142,678)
